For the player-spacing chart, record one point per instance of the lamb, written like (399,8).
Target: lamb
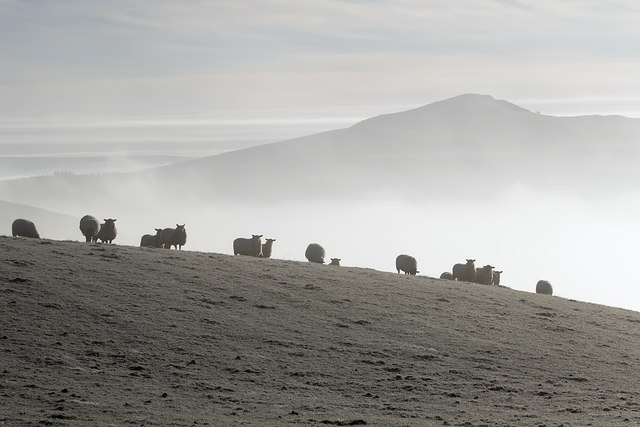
(496,277)
(107,232)
(447,276)
(89,226)
(465,272)
(335,261)
(315,253)
(251,247)
(266,248)
(407,264)
(484,275)
(24,228)
(150,240)
(544,287)
(173,237)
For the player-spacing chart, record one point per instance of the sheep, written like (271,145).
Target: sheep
(24,228)
(447,276)
(266,248)
(315,253)
(484,275)
(544,287)
(107,232)
(465,272)
(173,237)
(150,240)
(496,277)
(335,261)
(407,264)
(89,226)
(251,247)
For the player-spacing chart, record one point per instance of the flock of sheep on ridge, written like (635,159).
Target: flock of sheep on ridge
(166,238)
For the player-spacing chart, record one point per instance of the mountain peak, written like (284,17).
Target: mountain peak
(473,100)
(466,107)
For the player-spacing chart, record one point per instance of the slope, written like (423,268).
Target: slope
(97,334)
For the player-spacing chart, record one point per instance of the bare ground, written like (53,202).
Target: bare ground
(112,335)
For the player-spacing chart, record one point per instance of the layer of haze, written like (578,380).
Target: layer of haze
(587,249)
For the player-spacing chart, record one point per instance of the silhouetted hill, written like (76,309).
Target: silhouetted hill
(111,335)
(465,146)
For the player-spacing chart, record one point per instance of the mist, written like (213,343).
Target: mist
(584,246)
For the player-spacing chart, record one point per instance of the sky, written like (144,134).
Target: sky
(326,63)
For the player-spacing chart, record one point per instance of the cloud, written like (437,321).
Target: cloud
(156,57)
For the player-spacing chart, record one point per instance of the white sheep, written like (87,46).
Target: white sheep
(496,277)
(407,264)
(151,240)
(484,275)
(267,247)
(173,237)
(89,226)
(465,272)
(251,247)
(544,287)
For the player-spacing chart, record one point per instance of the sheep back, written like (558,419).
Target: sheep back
(407,264)
(447,276)
(24,228)
(315,253)
(89,226)
(544,287)
(250,247)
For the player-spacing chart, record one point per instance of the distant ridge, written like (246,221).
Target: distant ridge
(434,150)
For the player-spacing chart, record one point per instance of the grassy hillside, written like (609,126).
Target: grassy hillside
(96,334)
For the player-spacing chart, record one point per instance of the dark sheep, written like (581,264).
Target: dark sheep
(151,240)
(89,226)
(315,253)
(173,237)
(24,228)
(465,272)
(107,233)
(544,287)
(407,264)
(250,247)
